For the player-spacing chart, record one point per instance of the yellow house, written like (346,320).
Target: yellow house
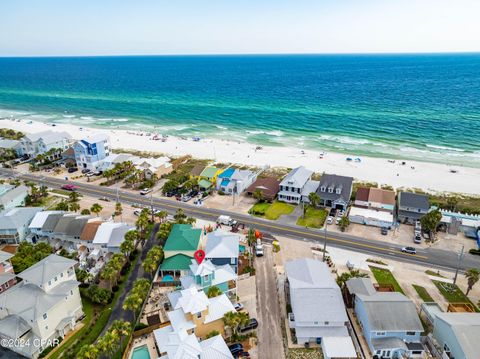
(208,177)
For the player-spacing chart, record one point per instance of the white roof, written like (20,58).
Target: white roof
(48,136)
(98,137)
(18,217)
(39,220)
(45,270)
(178,320)
(297,177)
(215,348)
(104,232)
(217,308)
(221,244)
(371,213)
(310,186)
(204,268)
(9,144)
(192,301)
(178,344)
(338,347)
(5,256)
(241,175)
(8,193)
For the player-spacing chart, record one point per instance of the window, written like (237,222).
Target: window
(61,275)
(446,349)
(330,190)
(338,191)
(44,315)
(315,323)
(416,352)
(199,315)
(327,323)
(322,188)
(71,292)
(205,277)
(55,278)
(49,282)
(410,333)
(232,260)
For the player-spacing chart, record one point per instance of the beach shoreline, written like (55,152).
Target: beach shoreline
(430,177)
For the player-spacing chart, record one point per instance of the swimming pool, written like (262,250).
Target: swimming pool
(241,248)
(167,278)
(141,352)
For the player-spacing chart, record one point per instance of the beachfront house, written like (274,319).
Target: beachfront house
(375,198)
(208,177)
(456,221)
(457,335)
(390,323)
(9,147)
(14,224)
(49,308)
(113,159)
(268,186)
(153,167)
(182,242)
(180,343)
(196,171)
(7,274)
(291,187)
(194,312)
(91,151)
(11,196)
(335,191)
(223,248)
(205,275)
(40,143)
(317,309)
(411,207)
(235,181)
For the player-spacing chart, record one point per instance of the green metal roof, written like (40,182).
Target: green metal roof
(176,262)
(204,184)
(209,172)
(183,238)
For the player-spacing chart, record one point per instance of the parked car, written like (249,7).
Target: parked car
(69,187)
(170,194)
(235,348)
(85,170)
(329,220)
(145,191)
(409,250)
(384,231)
(259,249)
(417,238)
(98,173)
(252,324)
(337,220)
(238,306)
(333,212)
(72,169)
(186,198)
(90,174)
(242,355)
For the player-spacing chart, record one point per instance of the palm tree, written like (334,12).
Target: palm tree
(133,302)
(96,208)
(123,329)
(161,215)
(234,320)
(149,266)
(314,199)
(109,274)
(118,210)
(73,196)
(85,212)
(213,291)
(472,275)
(344,277)
(344,223)
(132,235)
(127,247)
(180,216)
(258,195)
(88,351)
(142,223)
(74,206)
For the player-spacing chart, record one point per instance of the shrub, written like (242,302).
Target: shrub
(115,288)
(475,252)
(140,326)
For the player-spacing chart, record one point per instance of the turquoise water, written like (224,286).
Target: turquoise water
(167,278)
(141,353)
(424,107)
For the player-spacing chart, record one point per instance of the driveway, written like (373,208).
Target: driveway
(270,335)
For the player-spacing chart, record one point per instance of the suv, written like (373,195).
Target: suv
(252,324)
(72,169)
(145,191)
(384,231)
(235,348)
(409,250)
(417,238)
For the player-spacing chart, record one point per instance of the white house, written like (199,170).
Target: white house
(292,186)
(316,301)
(110,235)
(14,223)
(49,308)
(11,196)
(153,166)
(91,151)
(223,248)
(371,217)
(41,142)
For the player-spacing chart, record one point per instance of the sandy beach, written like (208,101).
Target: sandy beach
(430,177)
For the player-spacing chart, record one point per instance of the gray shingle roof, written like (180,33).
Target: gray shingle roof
(360,286)
(413,200)
(51,222)
(335,182)
(75,227)
(63,223)
(13,326)
(391,311)
(297,177)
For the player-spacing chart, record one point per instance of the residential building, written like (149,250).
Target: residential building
(67,231)
(43,224)
(235,181)
(14,223)
(316,301)
(411,207)
(39,143)
(196,313)
(7,274)
(268,186)
(375,198)
(371,217)
(197,171)
(50,305)
(338,348)
(335,191)
(113,159)
(291,187)
(208,177)
(9,146)
(457,335)
(153,167)
(223,248)
(91,151)
(310,187)
(172,344)
(110,235)
(390,324)
(182,242)
(205,275)
(456,222)
(11,196)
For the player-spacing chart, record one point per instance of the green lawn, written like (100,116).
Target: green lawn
(313,218)
(452,293)
(422,292)
(271,211)
(385,277)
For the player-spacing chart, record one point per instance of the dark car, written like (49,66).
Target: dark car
(333,212)
(72,169)
(235,348)
(85,170)
(242,355)
(384,231)
(252,324)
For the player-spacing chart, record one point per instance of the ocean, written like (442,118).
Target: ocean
(421,107)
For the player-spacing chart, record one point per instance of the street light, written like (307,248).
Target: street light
(461,255)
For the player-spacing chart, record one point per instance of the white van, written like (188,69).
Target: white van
(226,220)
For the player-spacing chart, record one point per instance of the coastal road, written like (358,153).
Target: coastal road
(435,258)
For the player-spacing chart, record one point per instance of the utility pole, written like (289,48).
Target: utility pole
(461,255)
(325,242)
(151,206)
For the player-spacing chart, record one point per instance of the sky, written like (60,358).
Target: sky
(157,27)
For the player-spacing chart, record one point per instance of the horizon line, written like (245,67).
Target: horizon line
(254,54)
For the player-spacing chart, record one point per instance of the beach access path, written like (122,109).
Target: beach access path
(432,257)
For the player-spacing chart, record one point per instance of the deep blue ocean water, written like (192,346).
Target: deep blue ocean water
(424,107)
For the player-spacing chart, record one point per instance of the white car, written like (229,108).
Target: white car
(259,250)
(337,220)
(329,220)
(145,191)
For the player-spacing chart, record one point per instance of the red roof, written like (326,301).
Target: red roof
(362,194)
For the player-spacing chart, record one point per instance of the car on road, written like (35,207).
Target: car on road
(409,250)
(329,220)
(69,187)
(105,199)
(259,250)
(252,324)
(145,191)
(72,169)
(384,231)
(238,306)
(235,348)
(226,220)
